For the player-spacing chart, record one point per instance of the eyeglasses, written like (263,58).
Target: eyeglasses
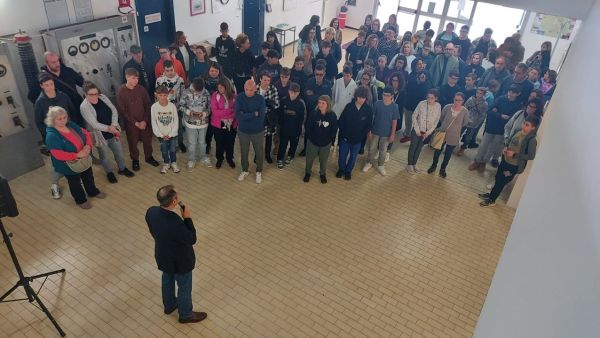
(365,79)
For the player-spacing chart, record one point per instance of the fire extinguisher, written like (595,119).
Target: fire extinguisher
(125,6)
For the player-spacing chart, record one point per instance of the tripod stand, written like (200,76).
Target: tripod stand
(24,282)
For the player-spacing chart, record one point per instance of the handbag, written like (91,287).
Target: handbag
(439,137)
(81,164)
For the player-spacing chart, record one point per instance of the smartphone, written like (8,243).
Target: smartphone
(181,205)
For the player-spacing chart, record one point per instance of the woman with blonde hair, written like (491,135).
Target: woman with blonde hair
(321,128)
(70,147)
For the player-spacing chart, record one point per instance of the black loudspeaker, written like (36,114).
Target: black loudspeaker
(8,205)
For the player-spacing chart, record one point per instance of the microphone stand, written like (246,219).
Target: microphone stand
(25,280)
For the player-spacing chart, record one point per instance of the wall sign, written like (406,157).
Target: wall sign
(152,18)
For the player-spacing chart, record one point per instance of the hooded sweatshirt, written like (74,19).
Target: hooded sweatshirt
(321,128)
(194,101)
(355,123)
(292,116)
(43,103)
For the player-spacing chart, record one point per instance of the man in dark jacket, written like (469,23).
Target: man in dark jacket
(49,97)
(147,79)
(66,80)
(497,116)
(174,238)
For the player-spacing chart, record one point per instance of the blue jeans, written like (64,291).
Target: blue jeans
(347,164)
(117,150)
(184,291)
(168,149)
(196,137)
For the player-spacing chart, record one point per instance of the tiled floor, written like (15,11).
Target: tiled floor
(401,255)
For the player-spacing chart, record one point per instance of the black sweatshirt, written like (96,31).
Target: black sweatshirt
(355,123)
(43,103)
(292,116)
(225,52)
(321,129)
(244,62)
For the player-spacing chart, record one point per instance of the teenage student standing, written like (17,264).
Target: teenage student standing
(165,125)
(293,112)
(520,148)
(321,129)
(385,118)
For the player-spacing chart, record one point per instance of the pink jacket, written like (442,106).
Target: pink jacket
(218,111)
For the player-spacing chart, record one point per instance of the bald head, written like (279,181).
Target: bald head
(52,60)
(250,88)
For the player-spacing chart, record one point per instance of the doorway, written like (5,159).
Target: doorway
(160,28)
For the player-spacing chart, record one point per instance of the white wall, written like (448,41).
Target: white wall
(546,282)
(30,15)
(356,14)
(206,26)
(297,16)
(577,9)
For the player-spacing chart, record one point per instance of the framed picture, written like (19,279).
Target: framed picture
(197,7)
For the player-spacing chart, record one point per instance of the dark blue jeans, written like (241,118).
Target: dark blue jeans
(168,149)
(346,163)
(184,292)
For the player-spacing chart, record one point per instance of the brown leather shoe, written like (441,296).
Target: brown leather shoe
(85,205)
(194,318)
(481,167)
(474,166)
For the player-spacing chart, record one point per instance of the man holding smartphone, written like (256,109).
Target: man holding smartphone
(174,237)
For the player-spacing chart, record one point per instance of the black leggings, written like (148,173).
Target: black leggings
(76,188)
(447,155)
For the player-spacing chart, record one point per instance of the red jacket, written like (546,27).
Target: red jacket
(159,68)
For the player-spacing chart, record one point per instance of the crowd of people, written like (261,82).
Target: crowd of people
(436,90)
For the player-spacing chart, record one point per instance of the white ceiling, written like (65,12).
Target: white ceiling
(576,9)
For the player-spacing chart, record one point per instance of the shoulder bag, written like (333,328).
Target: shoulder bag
(81,164)
(439,137)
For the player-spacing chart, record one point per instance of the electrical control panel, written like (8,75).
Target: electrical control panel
(12,111)
(97,49)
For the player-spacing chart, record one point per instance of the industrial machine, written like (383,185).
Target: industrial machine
(19,149)
(96,49)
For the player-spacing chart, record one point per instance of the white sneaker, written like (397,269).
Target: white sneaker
(175,167)
(165,168)
(387,157)
(410,169)
(381,170)
(55,190)
(191,165)
(258,178)
(207,162)
(242,176)
(367,166)
(416,169)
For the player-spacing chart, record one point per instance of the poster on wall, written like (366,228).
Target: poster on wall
(553,26)
(351,2)
(197,7)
